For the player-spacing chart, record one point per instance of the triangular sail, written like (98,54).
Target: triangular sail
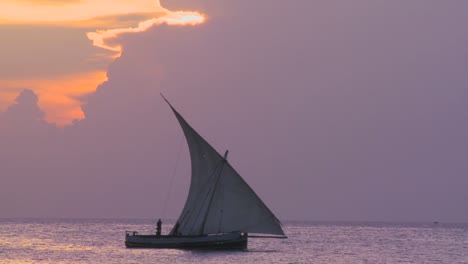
(219,200)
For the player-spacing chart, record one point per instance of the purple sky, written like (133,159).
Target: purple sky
(331,110)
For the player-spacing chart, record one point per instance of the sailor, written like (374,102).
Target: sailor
(158,227)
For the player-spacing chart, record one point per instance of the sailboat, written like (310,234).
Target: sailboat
(221,211)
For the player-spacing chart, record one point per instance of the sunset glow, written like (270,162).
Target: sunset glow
(61,11)
(100,21)
(180,18)
(59,98)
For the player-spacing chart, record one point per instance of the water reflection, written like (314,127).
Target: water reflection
(102,241)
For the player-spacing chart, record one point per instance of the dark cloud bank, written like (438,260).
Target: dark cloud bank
(331,112)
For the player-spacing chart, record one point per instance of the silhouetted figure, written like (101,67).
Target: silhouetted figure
(158,227)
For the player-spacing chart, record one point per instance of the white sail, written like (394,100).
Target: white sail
(219,200)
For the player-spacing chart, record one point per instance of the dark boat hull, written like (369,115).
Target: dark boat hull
(235,241)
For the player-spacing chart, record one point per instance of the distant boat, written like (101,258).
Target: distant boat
(221,208)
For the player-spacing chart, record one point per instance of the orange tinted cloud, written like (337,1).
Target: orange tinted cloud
(100,37)
(60,11)
(49,57)
(59,97)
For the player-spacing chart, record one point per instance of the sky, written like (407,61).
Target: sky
(331,110)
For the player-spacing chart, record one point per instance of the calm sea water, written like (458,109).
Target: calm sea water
(102,241)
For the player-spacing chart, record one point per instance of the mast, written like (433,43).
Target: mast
(216,187)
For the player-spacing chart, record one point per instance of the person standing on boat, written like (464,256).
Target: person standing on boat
(158,227)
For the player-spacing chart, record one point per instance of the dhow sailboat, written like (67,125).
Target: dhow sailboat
(221,211)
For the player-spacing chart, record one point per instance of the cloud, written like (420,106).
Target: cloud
(33,12)
(48,2)
(58,63)
(25,109)
(101,37)
(44,45)
(60,97)
(30,52)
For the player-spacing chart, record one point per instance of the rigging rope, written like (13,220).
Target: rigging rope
(168,194)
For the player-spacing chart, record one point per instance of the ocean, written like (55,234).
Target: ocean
(102,241)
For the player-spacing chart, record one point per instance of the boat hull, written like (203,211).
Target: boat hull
(218,241)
